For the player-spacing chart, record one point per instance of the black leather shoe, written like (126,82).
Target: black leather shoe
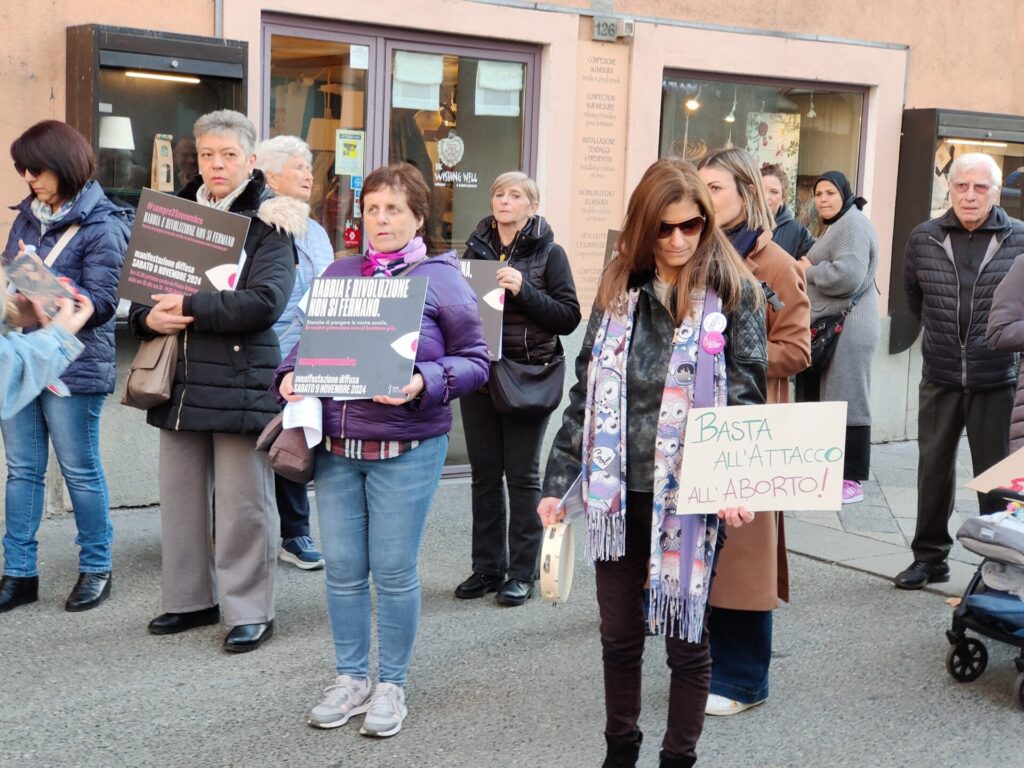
(920,573)
(478,585)
(248,637)
(90,590)
(665,760)
(18,590)
(623,751)
(173,623)
(515,592)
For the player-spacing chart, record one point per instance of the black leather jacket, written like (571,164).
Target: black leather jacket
(646,371)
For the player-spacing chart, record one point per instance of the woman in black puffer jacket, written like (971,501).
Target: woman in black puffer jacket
(220,402)
(540,305)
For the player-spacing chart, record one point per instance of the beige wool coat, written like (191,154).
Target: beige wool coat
(752,572)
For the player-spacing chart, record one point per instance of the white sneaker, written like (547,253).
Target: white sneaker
(387,711)
(719,705)
(342,701)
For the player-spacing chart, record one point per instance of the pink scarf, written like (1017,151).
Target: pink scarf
(377,264)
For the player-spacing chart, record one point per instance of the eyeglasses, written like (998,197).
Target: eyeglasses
(20,169)
(689,228)
(962,186)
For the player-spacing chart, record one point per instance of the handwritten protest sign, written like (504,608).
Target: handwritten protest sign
(1008,474)
(763,457)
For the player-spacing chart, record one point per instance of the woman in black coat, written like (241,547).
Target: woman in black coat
(789,234)
(220,402)
(540,305)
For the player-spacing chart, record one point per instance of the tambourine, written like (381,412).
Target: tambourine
(557,557)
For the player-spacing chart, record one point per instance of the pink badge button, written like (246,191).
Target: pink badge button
(712,342)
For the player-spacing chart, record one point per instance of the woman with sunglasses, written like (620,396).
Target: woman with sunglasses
(66,216)
(752,574)
(678,320)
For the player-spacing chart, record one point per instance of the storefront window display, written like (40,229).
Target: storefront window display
(807,128)
(362,98)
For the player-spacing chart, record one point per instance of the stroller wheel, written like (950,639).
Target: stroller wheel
(967,660)
(1020,688)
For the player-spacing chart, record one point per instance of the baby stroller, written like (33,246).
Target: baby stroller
(993,605)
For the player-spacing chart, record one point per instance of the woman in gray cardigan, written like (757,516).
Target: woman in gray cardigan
(841,276)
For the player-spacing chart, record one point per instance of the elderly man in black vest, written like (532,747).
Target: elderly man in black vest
(953,266)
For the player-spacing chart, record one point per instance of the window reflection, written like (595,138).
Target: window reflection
(807,130)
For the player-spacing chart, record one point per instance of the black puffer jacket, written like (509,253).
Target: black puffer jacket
(746,347)
(932,287)
(790,235)
(546,306)
(227,357)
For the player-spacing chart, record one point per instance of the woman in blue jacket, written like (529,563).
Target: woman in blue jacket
(65,209)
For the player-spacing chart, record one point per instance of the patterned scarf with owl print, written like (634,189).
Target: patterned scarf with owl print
(682,546)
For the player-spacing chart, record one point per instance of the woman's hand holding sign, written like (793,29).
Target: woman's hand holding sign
(166,315)
(412,390)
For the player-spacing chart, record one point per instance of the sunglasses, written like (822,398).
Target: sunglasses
(689,227)
(20,169)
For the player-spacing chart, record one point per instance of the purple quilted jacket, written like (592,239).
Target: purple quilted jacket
(451,356)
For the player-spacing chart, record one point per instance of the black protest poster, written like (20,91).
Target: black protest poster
(180,247)
(490,299)
(360,336)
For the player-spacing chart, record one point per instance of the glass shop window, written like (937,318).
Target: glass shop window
(460,121)
(806,128)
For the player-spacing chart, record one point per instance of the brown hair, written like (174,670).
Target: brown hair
(774,169)
(714,262)
(54,146)
(739,164)
(407,179)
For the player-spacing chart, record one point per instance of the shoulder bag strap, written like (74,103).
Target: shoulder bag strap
(69,233)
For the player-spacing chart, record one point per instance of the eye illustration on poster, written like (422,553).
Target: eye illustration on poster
(406,344)
(482,276)
(223,276)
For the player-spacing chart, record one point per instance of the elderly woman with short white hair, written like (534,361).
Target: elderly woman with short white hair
(287,163)
(220,402)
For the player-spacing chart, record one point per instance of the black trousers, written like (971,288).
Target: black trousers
(292,507)
(620,598)
(504,449)
(942,416)
(858,439)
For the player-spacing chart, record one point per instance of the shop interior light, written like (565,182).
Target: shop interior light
(812,113)
(731,117)
(162,76)
(693,103)
(977,143)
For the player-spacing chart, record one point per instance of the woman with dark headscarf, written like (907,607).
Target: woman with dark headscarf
(840,277)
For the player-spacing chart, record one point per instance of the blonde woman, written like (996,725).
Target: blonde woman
(752,574)
(504,448)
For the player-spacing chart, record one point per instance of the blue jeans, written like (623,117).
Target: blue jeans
(73,425)
(741,652)
(372,515)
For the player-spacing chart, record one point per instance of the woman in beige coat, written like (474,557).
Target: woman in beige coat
(752,575)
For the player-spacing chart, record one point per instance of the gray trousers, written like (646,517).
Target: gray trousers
(942,416)
(233,552)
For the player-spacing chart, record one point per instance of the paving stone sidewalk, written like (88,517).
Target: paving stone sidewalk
(874,535)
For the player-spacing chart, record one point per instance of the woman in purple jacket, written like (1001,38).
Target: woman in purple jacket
(381,459)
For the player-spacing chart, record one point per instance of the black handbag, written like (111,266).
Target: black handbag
(824,336)
(531,391)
